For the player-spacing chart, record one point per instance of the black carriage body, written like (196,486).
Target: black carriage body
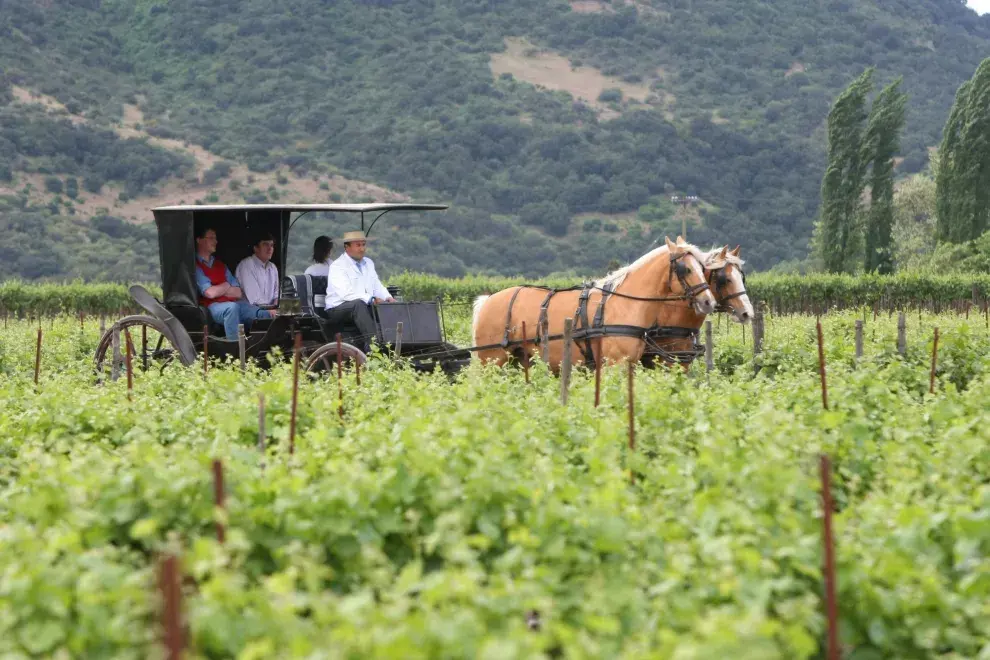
(236,228)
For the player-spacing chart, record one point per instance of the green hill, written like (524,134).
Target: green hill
(556,130)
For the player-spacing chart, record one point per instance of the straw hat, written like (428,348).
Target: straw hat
(353,236)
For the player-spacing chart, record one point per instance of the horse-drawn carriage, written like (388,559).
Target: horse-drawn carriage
(179,327)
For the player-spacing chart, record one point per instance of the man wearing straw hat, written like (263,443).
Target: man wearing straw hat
(353,286)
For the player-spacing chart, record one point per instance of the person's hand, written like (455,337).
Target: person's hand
(233,292)
(390,299)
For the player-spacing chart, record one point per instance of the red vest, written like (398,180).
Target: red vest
(218,275)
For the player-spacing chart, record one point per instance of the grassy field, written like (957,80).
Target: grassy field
(480,518)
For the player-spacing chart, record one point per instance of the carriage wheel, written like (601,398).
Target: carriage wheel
(324,358)
(150,347)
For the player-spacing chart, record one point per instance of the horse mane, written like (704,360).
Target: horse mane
(711,264)
(617,277)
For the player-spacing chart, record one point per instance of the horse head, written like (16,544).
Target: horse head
(724,272)
(687,269)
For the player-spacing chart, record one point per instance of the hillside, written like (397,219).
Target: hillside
(557,130)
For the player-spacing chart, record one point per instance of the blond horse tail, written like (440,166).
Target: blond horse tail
(479,302)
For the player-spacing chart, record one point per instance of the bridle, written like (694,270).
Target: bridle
(681,271)
(721,280)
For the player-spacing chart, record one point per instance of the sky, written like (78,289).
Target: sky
(981,6)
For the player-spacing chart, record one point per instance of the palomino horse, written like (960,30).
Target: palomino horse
(724,273)
(637,297)
(676,343)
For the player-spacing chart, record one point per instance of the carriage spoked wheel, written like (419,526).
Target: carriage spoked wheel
(323,358)
(150,347)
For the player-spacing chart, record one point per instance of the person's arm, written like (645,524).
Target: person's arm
(340,284)
(234,286)
(381,293)
(206,289)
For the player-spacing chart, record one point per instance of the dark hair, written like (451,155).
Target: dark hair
(321,249)
(203,228)
(262,236)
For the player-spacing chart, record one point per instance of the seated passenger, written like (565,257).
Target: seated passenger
(219,290)
(258,275)
(322,247)
(353,286)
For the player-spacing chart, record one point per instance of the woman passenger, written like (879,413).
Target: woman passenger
(322,247)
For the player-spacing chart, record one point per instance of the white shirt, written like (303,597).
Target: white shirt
(320,270)
(259,281)
(347,281)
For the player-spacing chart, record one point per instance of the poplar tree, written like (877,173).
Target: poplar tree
(842,184)
(881,145)
(963,178)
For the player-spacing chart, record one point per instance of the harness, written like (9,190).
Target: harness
(584,332)
(721,281)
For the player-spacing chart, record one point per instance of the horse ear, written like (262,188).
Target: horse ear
(670,246)
(680,240)
(721,255)
(735,253)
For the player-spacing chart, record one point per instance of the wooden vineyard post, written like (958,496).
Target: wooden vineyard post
(398,342)
(296,350)
(565,360)
(241,346)
(902,334)
(37,359)
(206,350)
(709,362)
(261,427)
(169,586)
(128,363)
(757,339)
(831,603)
(859,339)
(599,358)
(218,498)
(632,420)
(103,325)
(340,375)
(525,353)
(931,378)
(82,320)
(821,365)
(115,352)
(357,373)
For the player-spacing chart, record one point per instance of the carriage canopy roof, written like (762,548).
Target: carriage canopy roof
(294,208)
(237,226)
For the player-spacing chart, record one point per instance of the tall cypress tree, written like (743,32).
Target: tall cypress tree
(842,184)
(881,144)
(963,179)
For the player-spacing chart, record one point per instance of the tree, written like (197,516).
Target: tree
(962,188)
(882,143)
(837,231)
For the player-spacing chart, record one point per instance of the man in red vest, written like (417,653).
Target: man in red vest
(219,290)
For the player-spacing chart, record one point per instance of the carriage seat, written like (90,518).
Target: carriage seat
(311,290)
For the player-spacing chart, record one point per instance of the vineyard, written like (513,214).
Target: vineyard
(783,294)
(480,517)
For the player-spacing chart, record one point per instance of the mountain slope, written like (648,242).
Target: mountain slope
(723,101)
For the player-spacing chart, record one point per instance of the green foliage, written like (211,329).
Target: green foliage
(839,232)
(962,194)
(437,515)
(882,144)
(374,103)
(783,292)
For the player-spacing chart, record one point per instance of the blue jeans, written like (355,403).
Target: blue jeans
(230,314)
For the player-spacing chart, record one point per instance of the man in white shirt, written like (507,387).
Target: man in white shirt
(353,286)
(258,275)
